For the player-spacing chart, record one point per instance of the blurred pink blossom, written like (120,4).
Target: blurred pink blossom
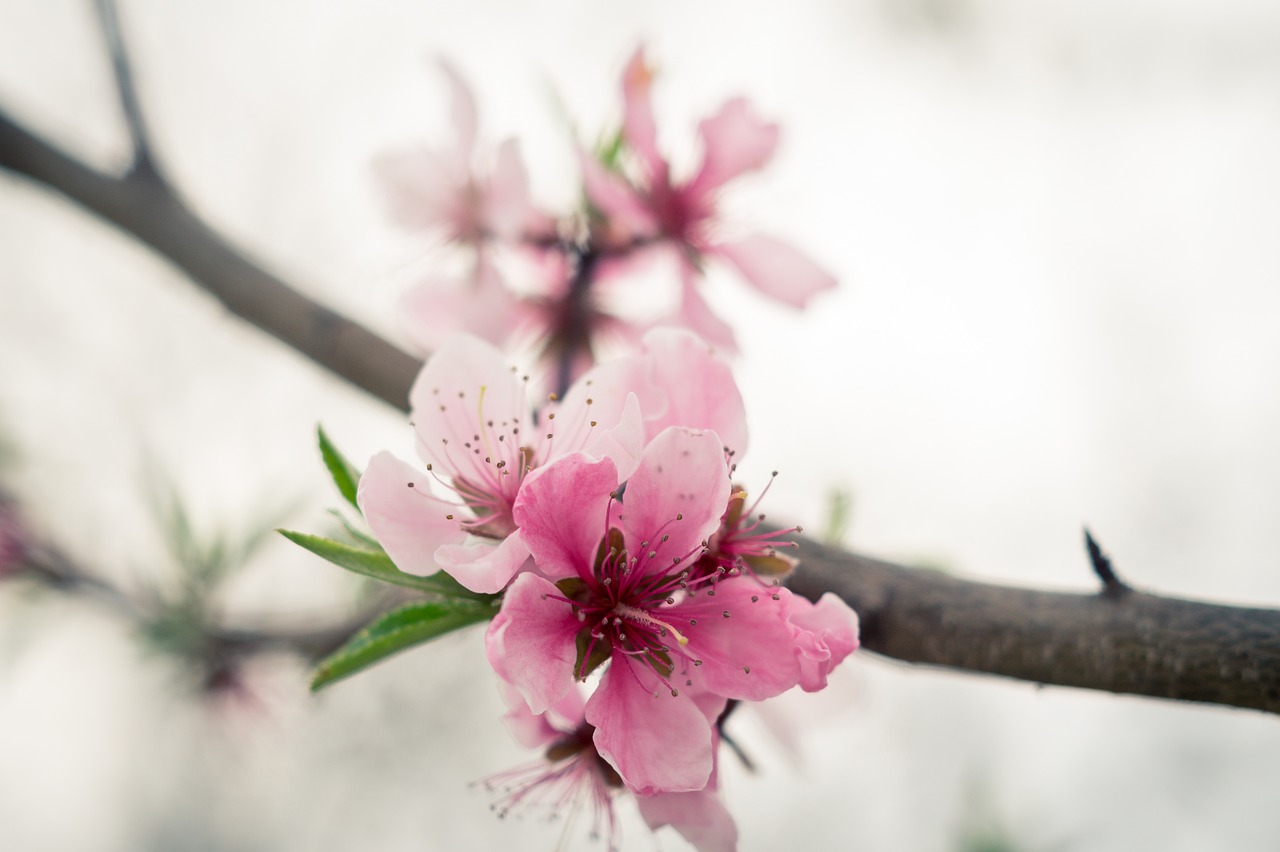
(573,771)
(648,205)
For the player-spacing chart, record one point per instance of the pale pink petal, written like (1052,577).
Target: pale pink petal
(421,187)
(658,742)
(531,643)
(777,268)
(743,638)
(407,521)
(628,215)
(734,140)
(464,387)
(439,308)
(694,313)
(698,387)
(561,512)
(464,119)
(623,443)
(826,633)
(535,730)
(700,818)
(679,490)
(506,203)
(482,567)
(637,119)
(531,730)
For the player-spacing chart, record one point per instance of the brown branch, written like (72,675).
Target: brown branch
(1135,643)
(1131,643)
(144,206)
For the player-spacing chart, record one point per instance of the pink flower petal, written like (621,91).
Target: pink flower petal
(743,638)
(409,523)
(826,633)
(637,120)
(534,730)
(466,384)
(682,473)
(482,567)
(439,308)
(777,269)
(531,643)
(531,730)
(421,187)
(561,512)
(700,818)
(698,387)
(623,443)
(734,140)
(629,217)
(506,201)
(656,741)
(696,314)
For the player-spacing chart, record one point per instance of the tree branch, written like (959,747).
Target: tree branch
(144,206)
(1132,643)
(143,162)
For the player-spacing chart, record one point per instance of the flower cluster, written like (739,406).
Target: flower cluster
(626,561)
(633,595)
(557,283)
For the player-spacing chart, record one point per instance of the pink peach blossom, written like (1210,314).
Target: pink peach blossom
(471,413)
(573,774)
(652,206)
(826,633)
(612,587)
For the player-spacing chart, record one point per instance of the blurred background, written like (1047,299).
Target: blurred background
(1055,226)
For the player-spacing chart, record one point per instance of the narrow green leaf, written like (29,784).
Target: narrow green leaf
(362,538)
(345,476)
(396,631)
(377,564)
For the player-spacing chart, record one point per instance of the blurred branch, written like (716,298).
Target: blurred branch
(143,205)
(1131,643)
(219,644)
(143,163)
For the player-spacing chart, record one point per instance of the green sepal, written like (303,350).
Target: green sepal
(609,150)
(774,564)
(344,474)
(375,563)
(397,631)
(601,650)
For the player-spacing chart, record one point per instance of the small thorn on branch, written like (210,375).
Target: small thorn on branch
(1111,584)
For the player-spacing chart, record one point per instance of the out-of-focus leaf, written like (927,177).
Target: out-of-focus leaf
(398,630)
(344,474)
(377,564)
(359,536)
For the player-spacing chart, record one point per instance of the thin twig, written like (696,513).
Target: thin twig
(144,165)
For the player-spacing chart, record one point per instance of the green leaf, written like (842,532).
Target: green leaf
(344,474)
(377,564)
(359,536)
(396,631)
